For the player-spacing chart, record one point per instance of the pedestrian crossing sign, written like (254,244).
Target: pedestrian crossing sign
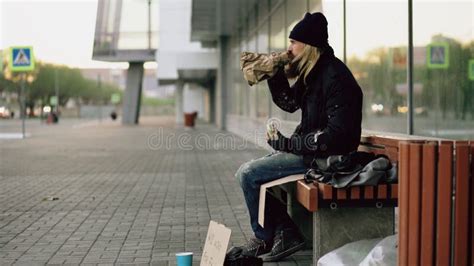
(438,55)
(21,59)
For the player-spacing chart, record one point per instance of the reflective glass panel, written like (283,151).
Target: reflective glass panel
(376,55)
(444,70)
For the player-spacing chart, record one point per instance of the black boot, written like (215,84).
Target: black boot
(255,247)
(285,243)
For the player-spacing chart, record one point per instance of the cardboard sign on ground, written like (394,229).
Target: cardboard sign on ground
(217,239)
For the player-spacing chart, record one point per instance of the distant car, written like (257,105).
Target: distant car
(420,111)
(4,112)
(377,108)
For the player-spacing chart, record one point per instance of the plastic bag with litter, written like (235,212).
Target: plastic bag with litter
(367,252)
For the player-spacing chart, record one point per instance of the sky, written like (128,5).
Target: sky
(60,31)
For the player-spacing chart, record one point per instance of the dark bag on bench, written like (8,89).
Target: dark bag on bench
(356,168)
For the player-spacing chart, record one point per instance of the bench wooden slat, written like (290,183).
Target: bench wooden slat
(382,191)
(428,204)
(414,201)
(355,192)
(307,195)
(325,190)
(461,208)
(341,194)
(403,177)
(394,191)
(392,153)
(443,203)
(369,192)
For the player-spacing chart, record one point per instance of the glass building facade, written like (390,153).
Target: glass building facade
(373,41)
(126,30)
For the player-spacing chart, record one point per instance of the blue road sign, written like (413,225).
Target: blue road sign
(21,59)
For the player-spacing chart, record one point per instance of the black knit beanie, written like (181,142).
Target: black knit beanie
(312,30)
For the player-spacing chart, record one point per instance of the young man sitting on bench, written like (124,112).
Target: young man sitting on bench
(331,106)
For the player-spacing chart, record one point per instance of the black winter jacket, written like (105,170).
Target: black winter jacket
(331,108)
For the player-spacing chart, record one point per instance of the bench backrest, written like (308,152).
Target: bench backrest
(436,203)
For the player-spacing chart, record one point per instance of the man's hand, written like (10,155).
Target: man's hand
(280,143)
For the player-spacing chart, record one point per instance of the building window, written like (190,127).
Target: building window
(295,11)
(278,43)
(245,100)
(317,5)
(333,11)
(379,65)
(443,80)
(234,99)
(262,9)
(252,92)
(263,94)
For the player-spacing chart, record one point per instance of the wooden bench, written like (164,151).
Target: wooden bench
(433,177)
(340,216)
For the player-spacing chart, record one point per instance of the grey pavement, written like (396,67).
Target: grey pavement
(101,193)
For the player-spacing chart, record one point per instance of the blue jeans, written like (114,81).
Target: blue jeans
(253,174)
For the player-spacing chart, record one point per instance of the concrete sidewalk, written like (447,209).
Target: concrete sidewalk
(111,194)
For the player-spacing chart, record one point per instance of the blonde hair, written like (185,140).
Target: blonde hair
(307,60)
